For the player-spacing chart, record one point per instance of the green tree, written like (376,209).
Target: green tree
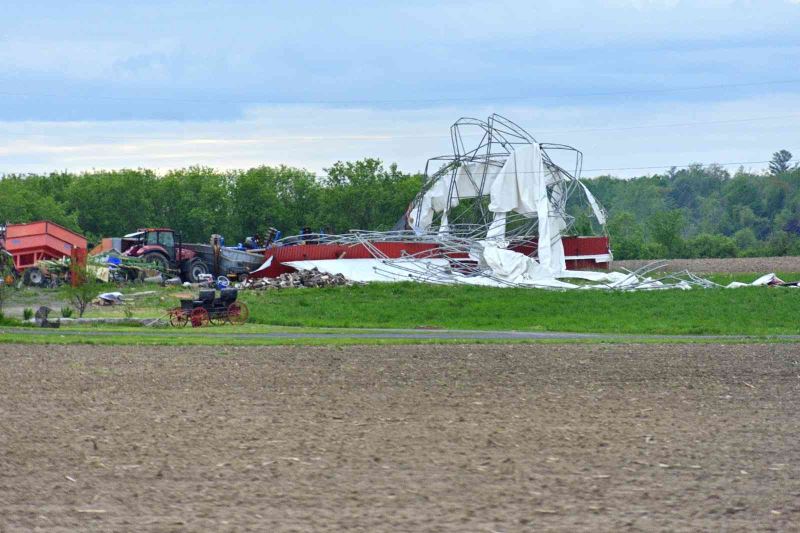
(282,197)
(745,239)
(20,203)
(364,195)
(194,201)
(626,236)
(706,245)
(113,203)
(666,228)
(81,295)
(780,162)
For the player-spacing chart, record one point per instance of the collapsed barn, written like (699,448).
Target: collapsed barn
(501,210)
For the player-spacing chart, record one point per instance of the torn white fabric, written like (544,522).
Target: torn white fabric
(521,186)
(470,176)
(518,186)
(513,266)
(590,275)
(470,180)
(516,268)
(598,211)
(264,266)
(497,229)
(765,280)
(501,268)
(369,270)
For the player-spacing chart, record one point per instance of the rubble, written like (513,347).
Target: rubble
(293,280)
(41,318)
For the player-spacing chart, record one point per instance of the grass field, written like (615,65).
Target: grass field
(747,311)
(759,311)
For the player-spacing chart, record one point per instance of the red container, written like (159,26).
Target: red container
(31,243)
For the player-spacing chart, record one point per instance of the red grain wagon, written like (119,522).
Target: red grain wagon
(30,243)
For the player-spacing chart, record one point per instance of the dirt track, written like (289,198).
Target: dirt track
(403,438)
(763,265)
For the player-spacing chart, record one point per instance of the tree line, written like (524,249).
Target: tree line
(199,201)
(699,211)
(704,211)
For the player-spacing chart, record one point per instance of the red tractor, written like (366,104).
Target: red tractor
(164,247)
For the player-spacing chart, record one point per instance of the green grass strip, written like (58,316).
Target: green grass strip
(745,311)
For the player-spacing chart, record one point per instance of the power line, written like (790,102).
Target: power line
(389,137)
(656,167)
(255,100)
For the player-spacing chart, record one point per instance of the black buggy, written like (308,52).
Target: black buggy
(210,309)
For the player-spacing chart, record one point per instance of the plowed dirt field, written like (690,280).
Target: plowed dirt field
(400,438)
(762,265)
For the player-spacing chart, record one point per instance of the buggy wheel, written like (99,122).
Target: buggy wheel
(199,317)
(238,313)
(177,318)
(217,319)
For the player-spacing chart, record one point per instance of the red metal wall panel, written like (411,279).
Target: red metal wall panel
(573,246)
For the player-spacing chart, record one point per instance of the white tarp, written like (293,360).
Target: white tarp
(467,184)
(469,177)
(503,268)
(599,213)
(521,186)
(766,279)
(367,270)
(264,266)
(512,266)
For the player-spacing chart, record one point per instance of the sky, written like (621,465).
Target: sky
(636,85)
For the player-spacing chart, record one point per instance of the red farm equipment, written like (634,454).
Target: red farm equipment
(164,248)
(27,244)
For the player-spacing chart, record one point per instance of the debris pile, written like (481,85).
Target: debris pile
(301,278)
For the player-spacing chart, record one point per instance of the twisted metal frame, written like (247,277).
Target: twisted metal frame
(499,139)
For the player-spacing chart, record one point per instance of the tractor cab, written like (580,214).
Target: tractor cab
(154,240)
(162,239)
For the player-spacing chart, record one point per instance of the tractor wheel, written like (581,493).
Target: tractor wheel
(196,269)
(177,318)
(160,262)
(199,317)
(33,277)
(238,313)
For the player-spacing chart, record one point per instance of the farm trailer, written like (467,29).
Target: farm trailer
(36,241)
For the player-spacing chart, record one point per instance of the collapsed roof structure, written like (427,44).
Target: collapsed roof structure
(501,212)
(507,187)
(498,212)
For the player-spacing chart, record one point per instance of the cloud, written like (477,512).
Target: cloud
(611,137)
(99,84)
